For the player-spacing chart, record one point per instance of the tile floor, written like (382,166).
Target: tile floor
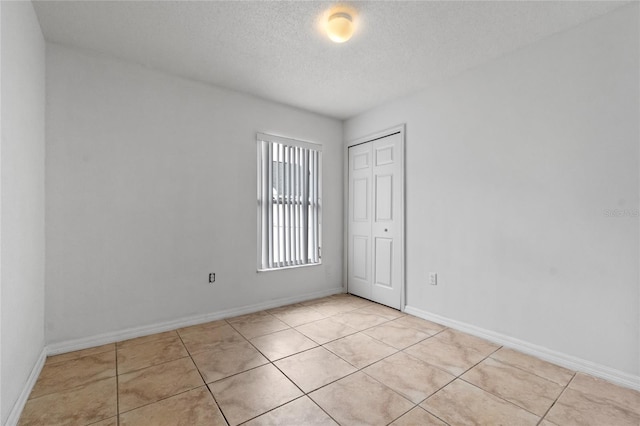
(340,359)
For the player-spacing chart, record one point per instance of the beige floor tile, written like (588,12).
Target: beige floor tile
(349,299)
(216,338)
(285,308)
(359,320)
(266,325)
(355,300)
(325,330)
(152,384)
(135,357)
(192,408)
(227,361)
(145,339)
(302,412)
(82,353)
(418,417)
(113,421)
(411,378)
(297,315)
(317,301)
(201,327)
(453,359)
(464,340)
(254,316)
(396,335)
(314,368)
(580,409)
(608,392)
(526,390)
(252,393)
(419,324)
(348,296)
(382,311)
(360,350)
(283,343)
(541,368)
(82,405)
(66,375)
(460,403)
(335,306)
(360,400)
(160,384)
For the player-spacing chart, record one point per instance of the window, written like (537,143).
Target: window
(289,202)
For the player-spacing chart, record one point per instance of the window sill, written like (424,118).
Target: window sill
(290,267)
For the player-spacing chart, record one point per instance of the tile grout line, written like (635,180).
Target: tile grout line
(361,370)
(556,400)
(71,388)
(501,398)
(202,377)
(403,414)
(441,368)
(529,371)
(81,385)
(484,390)
(270,410)
(176,394)
(163,399)
(117,347)
(217,405)
(323,410)
(156,364)
(272,362)
(479,362)
(407,347)
(78,357)
(357,370)
(433,414)
(459,377)
(305,394)
(130,345)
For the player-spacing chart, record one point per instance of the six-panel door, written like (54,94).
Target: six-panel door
(375,234)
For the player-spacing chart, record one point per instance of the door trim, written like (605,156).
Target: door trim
(345,255)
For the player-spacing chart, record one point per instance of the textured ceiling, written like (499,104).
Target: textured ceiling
(277,51)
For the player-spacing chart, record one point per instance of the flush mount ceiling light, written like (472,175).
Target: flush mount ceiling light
(340,27)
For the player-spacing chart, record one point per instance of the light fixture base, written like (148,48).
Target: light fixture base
(340,27)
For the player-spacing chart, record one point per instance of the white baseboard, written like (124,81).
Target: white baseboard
(130,333)
(16,411)
(559,358)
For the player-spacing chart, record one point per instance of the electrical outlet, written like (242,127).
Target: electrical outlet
(433,278)
(212,277)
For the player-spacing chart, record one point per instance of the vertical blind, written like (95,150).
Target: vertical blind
(288,202)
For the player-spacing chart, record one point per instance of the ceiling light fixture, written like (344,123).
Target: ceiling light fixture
(340,27)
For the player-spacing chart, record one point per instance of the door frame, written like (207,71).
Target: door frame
(370,138)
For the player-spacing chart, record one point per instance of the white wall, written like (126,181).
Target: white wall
(22,189)
(510,168)
(151,185)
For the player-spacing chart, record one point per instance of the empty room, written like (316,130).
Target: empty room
(320,213)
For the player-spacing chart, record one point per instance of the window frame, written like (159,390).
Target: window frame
(264,137)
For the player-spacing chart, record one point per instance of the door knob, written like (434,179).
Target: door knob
(385,229)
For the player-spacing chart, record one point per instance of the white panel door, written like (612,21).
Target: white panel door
(375,222)
(359,256)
